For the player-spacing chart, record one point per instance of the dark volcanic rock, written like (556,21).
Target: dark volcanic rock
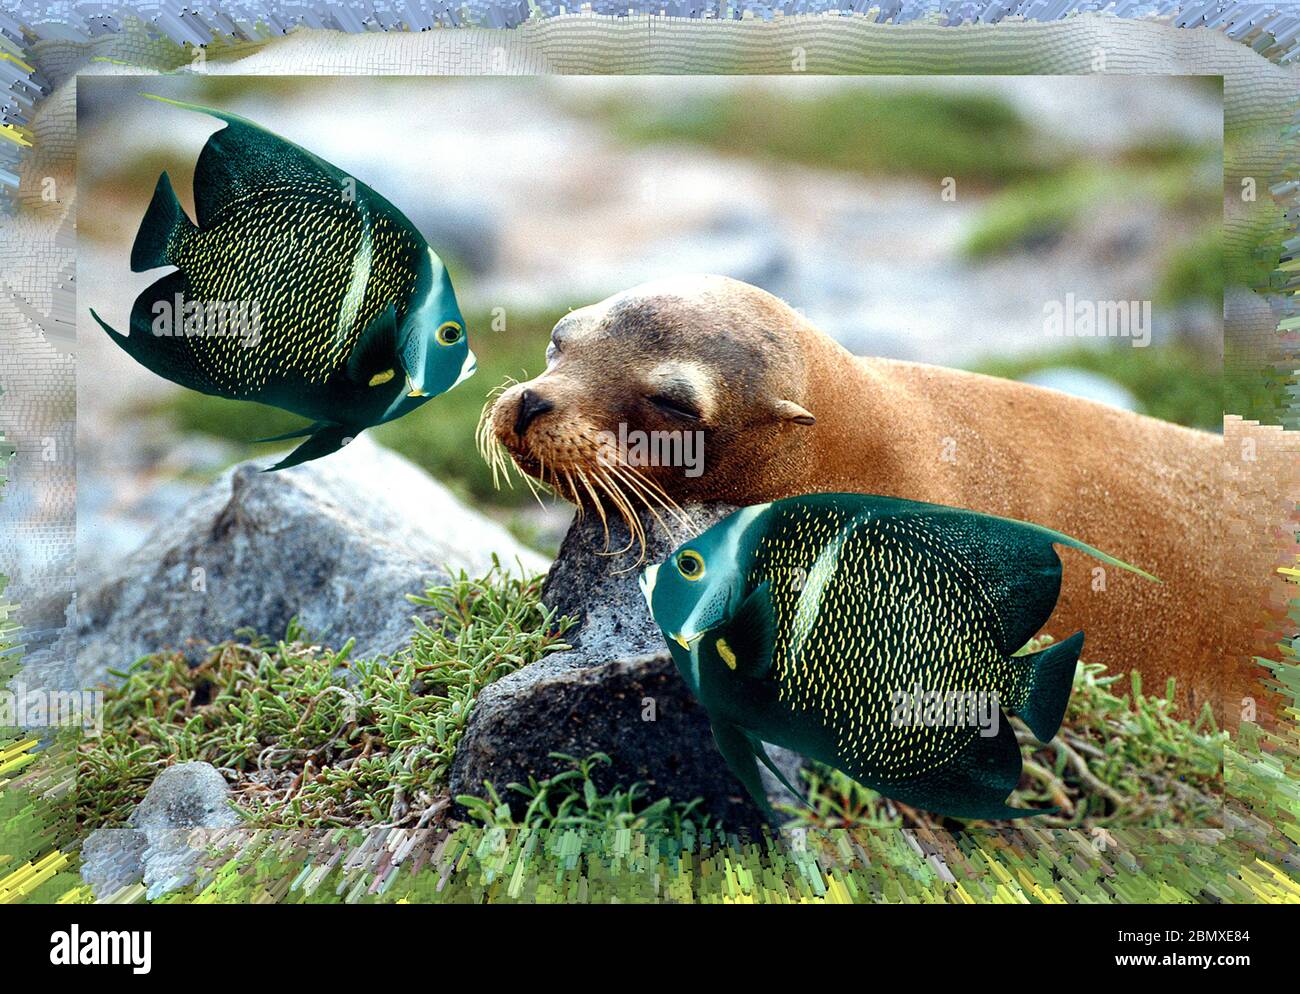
(616,692)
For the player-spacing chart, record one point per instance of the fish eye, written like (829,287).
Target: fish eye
(449,333)
(690,564)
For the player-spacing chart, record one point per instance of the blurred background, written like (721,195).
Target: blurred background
(549,193)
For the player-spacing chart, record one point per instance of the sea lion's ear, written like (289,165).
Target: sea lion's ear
(788,410)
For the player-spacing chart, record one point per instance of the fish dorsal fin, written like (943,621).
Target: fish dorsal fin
(244,158)
(747,642)
(376,350)
(1011,565)
(998,562)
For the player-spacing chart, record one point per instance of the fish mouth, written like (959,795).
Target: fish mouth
(467,368)
(649,576)
(686,641)
(414,390)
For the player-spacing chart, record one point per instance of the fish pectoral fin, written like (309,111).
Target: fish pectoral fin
(748,641)
(310,429)
(737,750)
(756,746)
(376,349)
(321,443)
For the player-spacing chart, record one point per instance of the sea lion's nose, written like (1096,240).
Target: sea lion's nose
(530,406)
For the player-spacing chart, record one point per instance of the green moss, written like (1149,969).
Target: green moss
(932,134)
(1172,382)
(314,738)
(571,800)
(1195,270)
(1030,213)
(1044,208)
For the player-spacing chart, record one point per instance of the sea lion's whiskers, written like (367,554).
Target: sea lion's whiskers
(647,488)
(595,498)
(626,511)
(573,490)
(670,505)
(486,442)
(639,494)
(641,487)
(531,484)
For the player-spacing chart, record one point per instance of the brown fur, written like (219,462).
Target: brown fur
(1148,492)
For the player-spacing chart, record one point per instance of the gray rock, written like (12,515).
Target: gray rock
(184,796)
(112,858)
(161,846)
(616,692)
(338,543)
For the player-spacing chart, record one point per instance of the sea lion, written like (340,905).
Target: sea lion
(781,409)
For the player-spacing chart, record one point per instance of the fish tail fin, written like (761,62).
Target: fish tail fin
(1051,678)
(163,222)
(321,443)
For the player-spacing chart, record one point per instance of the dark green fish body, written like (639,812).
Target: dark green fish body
(299,286)
(870,634)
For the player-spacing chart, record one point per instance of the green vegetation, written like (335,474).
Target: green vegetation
(1194,270)
(976,137)
(1119,760)
(1043,209)
(1027,214)
(438,436)
(571,800)
(1173,382)
(313,738)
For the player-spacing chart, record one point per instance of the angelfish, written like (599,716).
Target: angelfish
(299,287)
(812,622)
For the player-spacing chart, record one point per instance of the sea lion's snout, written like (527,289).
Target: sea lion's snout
(530,406)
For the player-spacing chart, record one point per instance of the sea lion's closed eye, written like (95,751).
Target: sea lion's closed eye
(674,407)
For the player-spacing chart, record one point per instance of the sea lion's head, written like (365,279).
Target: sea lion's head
(681,390)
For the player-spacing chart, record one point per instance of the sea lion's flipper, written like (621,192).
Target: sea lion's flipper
(321,443)
(164,222)
(1051,678)
(748,640)
(737,750)
(376,349)
(244,158)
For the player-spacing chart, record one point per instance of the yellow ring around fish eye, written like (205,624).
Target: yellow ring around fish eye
(448,333)
(690,564)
